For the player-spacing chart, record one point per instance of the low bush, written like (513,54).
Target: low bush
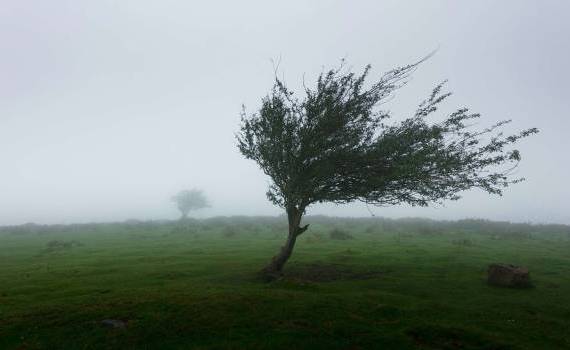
(339,234)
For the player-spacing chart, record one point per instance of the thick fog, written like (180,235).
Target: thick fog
(108,108)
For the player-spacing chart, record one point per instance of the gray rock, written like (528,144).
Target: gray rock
(506,275)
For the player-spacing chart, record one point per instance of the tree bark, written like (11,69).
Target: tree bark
(274,269)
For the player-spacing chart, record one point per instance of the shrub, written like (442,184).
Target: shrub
(374,228)
(339,234)
(56,245)
(229,232)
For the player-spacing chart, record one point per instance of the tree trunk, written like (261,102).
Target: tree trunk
(274,269)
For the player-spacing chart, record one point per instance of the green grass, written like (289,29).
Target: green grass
(395,285)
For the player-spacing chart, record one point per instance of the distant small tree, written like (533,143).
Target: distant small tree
(333,146)
(188,200)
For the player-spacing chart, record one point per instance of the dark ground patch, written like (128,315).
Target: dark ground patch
(432,337)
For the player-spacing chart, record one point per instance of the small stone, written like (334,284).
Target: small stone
(114,323)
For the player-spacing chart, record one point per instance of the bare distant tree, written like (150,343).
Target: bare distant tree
(189,200)
(334,145)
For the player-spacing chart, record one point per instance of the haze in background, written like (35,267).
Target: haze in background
(107,108)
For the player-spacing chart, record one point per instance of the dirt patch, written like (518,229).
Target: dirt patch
(327,272)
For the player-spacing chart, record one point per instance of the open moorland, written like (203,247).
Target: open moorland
(351,284)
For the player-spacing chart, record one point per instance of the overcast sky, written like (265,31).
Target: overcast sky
(107,108)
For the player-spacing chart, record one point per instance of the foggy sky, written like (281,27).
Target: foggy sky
(107,108)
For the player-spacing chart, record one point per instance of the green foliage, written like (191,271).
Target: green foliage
(188,200)
(333,145)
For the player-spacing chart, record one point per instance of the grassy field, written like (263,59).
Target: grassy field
(389,284)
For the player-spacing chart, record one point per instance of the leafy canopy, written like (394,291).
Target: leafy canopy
(188,200)
(333,145)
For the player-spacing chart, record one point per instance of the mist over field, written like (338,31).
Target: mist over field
(271,175)
(108,108)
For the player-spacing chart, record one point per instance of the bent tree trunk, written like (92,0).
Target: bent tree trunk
(275,268)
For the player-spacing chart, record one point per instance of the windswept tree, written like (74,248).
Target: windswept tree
(334,145)
(188,200)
